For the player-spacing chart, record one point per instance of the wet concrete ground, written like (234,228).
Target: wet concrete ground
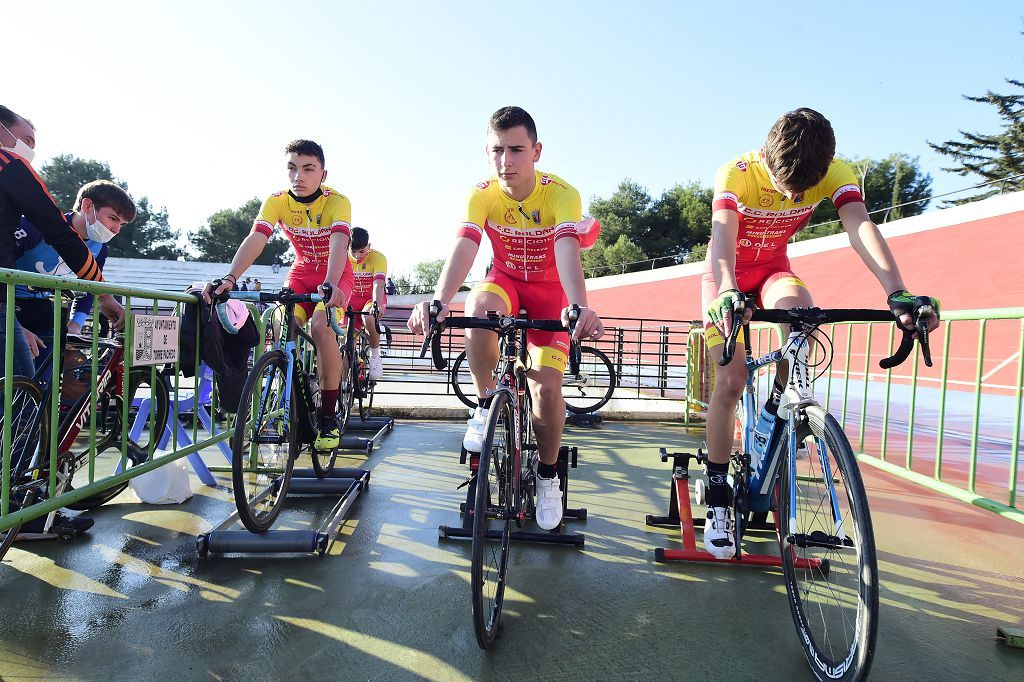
(131,601)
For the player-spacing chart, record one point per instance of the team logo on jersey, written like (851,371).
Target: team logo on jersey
(510,216)
(765,201)
(296,219)
(536,216)
(483,185)
(742,165)
(545,180)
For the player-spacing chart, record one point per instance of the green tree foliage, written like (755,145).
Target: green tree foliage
(896,179)
(426,273)
(612,259)
(665,228)
(218,240)
(148,236)
(994,156)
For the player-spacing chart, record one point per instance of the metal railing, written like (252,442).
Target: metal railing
(954,427)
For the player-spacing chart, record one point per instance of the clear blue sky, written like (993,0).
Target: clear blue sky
(191,102)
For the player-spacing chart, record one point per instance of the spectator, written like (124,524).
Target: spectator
(390,289)
(257,285)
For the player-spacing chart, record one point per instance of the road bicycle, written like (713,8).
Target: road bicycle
(506,472)
(806,473)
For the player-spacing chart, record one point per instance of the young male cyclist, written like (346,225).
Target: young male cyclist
(316,219)
(530,218)
(761,199)
(101,210)
(370,269)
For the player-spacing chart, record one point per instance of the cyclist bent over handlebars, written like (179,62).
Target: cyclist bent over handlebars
(762,199)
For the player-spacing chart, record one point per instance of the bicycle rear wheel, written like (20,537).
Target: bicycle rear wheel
(592,387)
(828,552)
(264,445)
(29,425)
(492,518)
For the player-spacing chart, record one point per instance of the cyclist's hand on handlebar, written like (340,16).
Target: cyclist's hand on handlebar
(216,289)
(906,307)
(721,309)
(588,324)
(333,296)
(419,319)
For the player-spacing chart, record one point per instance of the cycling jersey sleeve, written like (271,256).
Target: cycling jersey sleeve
(841,184)
(83,307)
(380,269)
(342,215)
(476,214)
(268,218)
(729,187)
(568,211)
(27,191)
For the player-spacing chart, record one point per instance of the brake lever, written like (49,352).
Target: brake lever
(433,337)
(730,343)
(922,333)
(574,346)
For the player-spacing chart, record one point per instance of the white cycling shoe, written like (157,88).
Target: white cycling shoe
(549,503)
(376,369)
(719,540)
(473,441)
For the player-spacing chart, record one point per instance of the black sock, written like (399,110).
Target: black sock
(547,470)
(485,403)
(718,485)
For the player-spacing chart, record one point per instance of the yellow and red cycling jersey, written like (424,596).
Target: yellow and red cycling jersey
(767,219)
(367,271)
(523,233)
(307,224)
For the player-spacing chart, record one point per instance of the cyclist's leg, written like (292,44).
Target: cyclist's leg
(365,321)
(495,292)
(783,289)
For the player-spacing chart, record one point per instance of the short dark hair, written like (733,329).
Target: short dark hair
(360,238)
(799,149)
(510,117)
(306,148)
(8,118)
(105,194)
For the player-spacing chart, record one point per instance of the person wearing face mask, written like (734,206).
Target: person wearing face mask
(101,209)
(23,193)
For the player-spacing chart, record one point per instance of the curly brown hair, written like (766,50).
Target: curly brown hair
(799,149)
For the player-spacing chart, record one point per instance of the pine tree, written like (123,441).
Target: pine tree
(997,158)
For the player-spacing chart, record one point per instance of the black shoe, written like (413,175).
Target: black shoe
(63,526)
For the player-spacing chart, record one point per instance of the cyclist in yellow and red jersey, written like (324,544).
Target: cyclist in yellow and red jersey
(370,269)
(316,219)
(761,200)
(531,220)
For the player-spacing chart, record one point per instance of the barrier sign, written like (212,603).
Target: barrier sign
(156,339)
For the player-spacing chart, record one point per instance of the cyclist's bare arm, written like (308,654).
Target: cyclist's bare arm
(336,261)
(378,293)
(570,273)
(248,251)
(870,245)
(455,271)
(725,226)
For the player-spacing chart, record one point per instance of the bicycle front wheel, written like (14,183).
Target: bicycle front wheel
(462,381)
(828,551)
(492,518)
(29,424)
(264,444)
(592,387)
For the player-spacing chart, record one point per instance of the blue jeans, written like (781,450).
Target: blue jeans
(23,363)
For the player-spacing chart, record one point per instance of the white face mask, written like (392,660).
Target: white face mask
(20,148)
(97,231)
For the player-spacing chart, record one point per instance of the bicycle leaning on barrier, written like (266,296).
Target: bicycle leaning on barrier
(805,471)
(506,473)
(98,410)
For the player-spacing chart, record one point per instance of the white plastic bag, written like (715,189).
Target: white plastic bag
(165,485)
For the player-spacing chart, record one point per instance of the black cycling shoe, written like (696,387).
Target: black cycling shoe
(63,526)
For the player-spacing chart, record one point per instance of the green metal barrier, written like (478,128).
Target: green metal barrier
(8,279)
(943,404)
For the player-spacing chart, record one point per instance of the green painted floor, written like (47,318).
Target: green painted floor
(131,601)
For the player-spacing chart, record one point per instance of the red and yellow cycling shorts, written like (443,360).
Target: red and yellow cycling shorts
(542,301)
(752,280)
(305,280)
(364,303)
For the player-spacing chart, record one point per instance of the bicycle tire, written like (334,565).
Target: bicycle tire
(261,471)
(810,588)
(492,519)
(588,392)
(137,450)
(27,440)
(366,397)
(593,387)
